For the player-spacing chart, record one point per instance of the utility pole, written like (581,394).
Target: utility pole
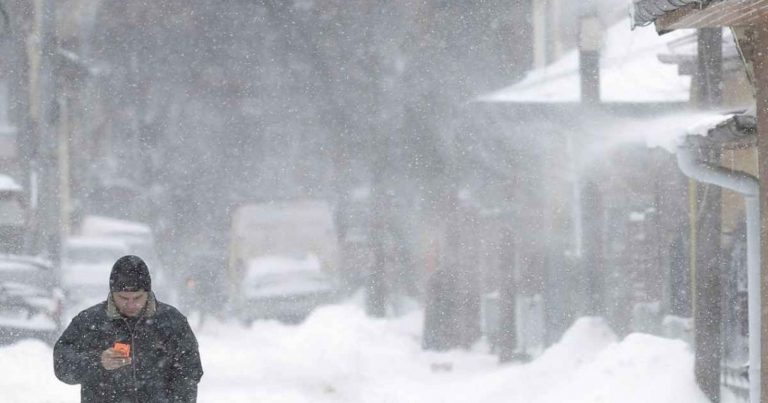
(42,50)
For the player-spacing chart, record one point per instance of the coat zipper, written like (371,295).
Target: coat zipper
(133,363)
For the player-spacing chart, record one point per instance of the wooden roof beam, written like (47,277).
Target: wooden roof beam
(733,13)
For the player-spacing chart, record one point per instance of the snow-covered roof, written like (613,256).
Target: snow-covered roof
(23,262)
(630,72)
(8,184)
(671,130)
(666,131)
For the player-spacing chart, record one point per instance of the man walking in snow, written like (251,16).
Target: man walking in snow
(131,347)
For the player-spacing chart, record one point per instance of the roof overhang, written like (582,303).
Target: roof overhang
(645,12)
(678,14)
(729,13)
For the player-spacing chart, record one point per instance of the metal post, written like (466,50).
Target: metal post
(507,337)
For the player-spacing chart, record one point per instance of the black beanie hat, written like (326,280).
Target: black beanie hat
(130,273)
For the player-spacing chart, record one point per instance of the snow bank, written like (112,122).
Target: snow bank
(578,347)
(26,375)
(340,355)
(640,369)
(333,356)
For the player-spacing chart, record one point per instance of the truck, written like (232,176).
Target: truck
(283,259)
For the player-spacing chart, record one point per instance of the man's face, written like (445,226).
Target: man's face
(130,303)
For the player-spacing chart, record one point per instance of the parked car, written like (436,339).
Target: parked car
(138,238)
(85,266)
(30,301)
(284,288)
(13,216)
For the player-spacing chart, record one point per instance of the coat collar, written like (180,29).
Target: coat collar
(149,310)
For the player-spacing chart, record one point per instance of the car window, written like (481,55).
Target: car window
(92,255)
(11,212)
(17,272)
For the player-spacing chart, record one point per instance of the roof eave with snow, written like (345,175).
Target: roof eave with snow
(645,12)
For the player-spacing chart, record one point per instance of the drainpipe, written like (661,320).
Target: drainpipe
(748,186)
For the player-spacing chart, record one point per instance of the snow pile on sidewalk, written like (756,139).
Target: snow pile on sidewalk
(340,355)
(26,375)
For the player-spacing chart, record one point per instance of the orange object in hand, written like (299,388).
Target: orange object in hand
(123,349)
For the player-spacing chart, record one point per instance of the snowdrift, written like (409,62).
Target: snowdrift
(340,355)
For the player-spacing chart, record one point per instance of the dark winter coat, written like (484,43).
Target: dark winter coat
(165,363)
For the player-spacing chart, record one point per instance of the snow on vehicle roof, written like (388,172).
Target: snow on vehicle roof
(8,184)
(9,265)
(100,225)
(98,242)
(16,262)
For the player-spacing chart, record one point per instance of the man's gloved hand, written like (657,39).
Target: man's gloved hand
(112,359)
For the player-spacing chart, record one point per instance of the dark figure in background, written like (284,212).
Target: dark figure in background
(131,347)
(201,288)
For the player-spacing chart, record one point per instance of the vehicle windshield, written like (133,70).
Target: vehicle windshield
(11,211)
(92,255)
(287,278)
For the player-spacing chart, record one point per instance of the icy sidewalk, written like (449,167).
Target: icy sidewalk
(340,355)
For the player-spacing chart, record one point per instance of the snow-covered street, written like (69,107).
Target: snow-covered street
(340,355)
